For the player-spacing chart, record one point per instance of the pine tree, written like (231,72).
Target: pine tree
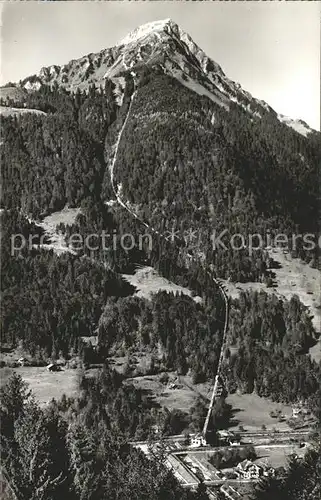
(201,491)
(82,450)
(267,488)
(13,398)
(31,469)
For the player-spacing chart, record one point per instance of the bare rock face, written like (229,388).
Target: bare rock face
(162,44)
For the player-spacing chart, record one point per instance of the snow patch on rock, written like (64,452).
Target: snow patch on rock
(298,125)
(143,31)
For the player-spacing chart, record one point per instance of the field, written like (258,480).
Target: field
(181,397)
(45,385)
(148,281)
(278,455)
(294,277)
(252,411)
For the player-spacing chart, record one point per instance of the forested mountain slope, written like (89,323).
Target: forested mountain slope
(209,168)
(198,153)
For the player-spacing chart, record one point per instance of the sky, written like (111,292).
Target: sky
(271,48)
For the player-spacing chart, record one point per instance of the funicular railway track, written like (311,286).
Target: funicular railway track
(116,191)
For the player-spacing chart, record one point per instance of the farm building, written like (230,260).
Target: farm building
(52,367)
(22,361)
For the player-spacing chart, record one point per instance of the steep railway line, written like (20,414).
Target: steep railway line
(220,361)
(193,259)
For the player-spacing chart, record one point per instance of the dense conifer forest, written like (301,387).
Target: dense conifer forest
(79,449)
(199,173)
(207,168)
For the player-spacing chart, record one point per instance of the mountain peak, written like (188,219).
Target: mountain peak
(164,45)
(146,29)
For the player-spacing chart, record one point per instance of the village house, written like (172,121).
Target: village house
(248,470)
(223,437)
(197,441)
(267,470)
(228,438)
